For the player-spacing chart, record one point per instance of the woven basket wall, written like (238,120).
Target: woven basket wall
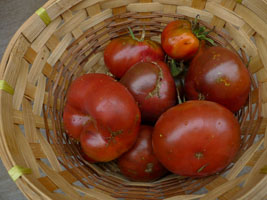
(42,59)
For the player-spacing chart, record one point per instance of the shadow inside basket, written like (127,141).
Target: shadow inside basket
(84,55)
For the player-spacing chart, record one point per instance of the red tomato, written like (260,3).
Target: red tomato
(152,86)
(196,138)
(87,158)
(178,41)
(109,121)
(122,53)
(217,74)
(140,163)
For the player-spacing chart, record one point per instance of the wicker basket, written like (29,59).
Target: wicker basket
(65,39)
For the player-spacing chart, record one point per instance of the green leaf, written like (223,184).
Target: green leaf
(175,71)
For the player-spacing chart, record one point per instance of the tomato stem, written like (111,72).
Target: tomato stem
(135,38)
(201,168)
(201,32)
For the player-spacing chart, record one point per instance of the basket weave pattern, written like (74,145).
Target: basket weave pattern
(42,60)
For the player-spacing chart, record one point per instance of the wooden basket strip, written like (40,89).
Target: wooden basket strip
(257,6)
(20,85)
(255,176)
(29,125)
(169,9)
(248,30)
(59,181)
(70,25)
(262,75)
(27,152)
(186,197)
(230,193)
(67,15)
(93,193)
(216,21)
(52,42)
(243,160)
(40,41)
(96,19)
(199,4)
(145,7)
(84,4)
(77,32)
(115,3)
(61,47)
(92,61)
(242,40)
(38,65)
(252,19)
(175,2)
(48,151)
(39,95)
(193,12)
(262,49)
(218,191)
(255,64)
(224,13)
(18,119)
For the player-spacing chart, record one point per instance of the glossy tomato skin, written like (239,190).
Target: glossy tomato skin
(140,163)
(196,138)
(91,104)
(178,41)
(218,75)
(122,53)
(152,86)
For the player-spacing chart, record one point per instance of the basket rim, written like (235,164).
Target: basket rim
(8,159)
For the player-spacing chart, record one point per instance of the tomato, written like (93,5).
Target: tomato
(196,138)
(87,158)
(123,52)
(140,163)
(105,122)
(152,86)
(219,75)
(178,41)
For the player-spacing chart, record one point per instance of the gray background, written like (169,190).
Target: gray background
(13,13)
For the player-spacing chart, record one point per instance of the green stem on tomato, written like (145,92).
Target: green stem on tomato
(135,38)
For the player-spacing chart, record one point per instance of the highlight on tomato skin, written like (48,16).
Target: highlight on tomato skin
(140,163)
(218,74)
(105,123)
(178,40)
(196,138)
(152,86)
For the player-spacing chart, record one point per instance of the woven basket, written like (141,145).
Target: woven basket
(66,39)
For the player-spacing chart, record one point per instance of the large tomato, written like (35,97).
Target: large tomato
(178,40)
(196,138)
(217,74)
(103,115)
(123,52)
(152,86)
(140,163)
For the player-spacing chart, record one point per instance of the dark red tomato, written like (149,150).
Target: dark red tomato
(152,86)
(219,75)
(140,163)
(196,138)
(178,41)
(99,101)
(122,53)
(86,157)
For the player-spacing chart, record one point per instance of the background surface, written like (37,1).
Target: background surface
(13,13)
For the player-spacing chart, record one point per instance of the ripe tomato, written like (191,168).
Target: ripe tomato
(196,138)
(219,75)
(86,157)
(152,86)
(105,122)
(122,53)
(140,163)
(178,41)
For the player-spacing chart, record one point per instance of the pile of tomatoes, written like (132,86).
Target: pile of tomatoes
(167,107)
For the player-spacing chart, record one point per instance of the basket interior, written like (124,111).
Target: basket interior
(42,61)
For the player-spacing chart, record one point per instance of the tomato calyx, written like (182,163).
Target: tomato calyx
(201,96)
(149,167)
(141,39)
(201,32)
(156,91)
(199,155)
(113,135)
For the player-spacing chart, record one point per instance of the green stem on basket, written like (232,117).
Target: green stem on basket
(135,38)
